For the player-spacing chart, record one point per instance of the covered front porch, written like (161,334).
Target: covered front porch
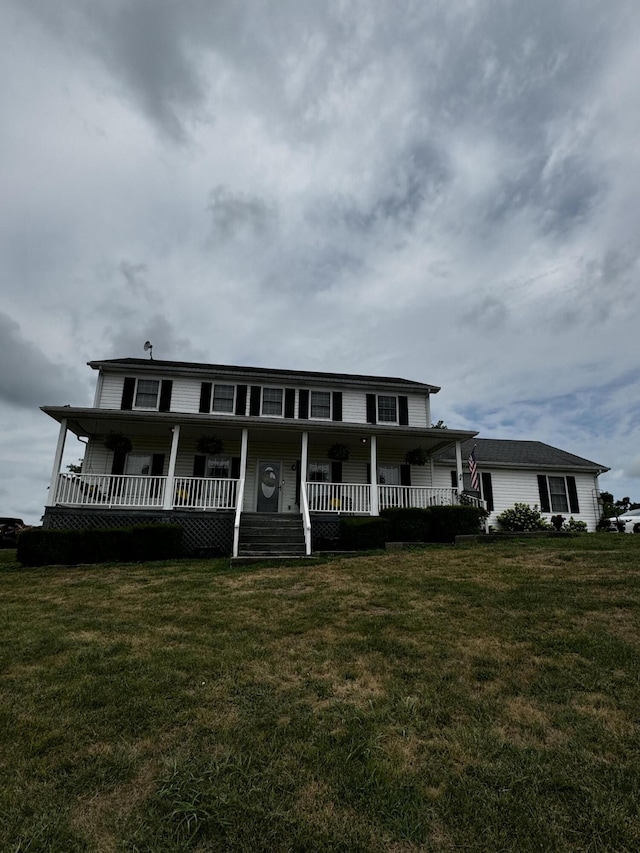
(281,467)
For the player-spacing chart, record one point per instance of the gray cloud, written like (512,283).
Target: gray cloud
(236,215)
(28,377)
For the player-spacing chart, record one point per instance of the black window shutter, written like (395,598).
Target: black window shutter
(336,471)
(368,472)
(119,459)
(289,402)
(454,479)
(298,472)
(543,488)
(371,408)
(254,401)
(241,400)
(205,397)
(157,464)
(403,410)
(337,406)
(573,494)
(166,387)
(235,467)
(303,404)
(199,463)
(128,390)
(405,475)
(487,490)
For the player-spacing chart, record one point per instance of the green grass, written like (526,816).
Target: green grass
(476,698)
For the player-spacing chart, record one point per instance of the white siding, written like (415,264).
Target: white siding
(111,394)
(512,486)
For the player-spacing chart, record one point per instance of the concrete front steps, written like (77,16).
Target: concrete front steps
(270,535)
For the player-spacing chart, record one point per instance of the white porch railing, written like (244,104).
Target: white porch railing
(110,490)
(339,497)
(125,490)
(205,493)
(356,498)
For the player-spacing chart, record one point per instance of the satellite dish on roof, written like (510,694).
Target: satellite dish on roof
(149,346)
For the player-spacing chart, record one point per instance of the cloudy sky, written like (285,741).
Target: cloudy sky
(443,191)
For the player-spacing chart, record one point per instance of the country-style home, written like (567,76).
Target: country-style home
(251,460)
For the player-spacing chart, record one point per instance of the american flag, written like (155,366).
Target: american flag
(473,470)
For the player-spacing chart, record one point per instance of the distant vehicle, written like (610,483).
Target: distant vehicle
(9,529)
(627,522)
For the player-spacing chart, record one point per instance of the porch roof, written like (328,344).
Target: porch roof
(512,453)
(87,422)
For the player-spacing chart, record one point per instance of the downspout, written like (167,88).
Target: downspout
(374,506)
(57,462)
(304,499)
(171,473)
(240,494)
(428,410)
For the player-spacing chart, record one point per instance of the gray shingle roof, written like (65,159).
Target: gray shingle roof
(311,375)
(507,452)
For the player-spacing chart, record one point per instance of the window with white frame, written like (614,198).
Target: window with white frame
(321,404)
(387,409)
(558,494)
(319,472)
(218,467)
(223,398)
(138,464)
(389,475)
(147,393)
(272,401)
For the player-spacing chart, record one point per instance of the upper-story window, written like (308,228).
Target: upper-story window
(272,401)
(321,404)
(223,398)
(147,394)
(387,409)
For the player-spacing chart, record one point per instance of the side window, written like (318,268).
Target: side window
(321,404)
(223,398)
(272,401)
(147,394)
(389,475)
(319,472)
(218,467)
(387,409)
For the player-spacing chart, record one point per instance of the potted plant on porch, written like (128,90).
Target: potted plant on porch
(210,445)
(118,442)
(339,452)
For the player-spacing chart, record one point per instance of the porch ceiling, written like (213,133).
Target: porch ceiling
(90,422)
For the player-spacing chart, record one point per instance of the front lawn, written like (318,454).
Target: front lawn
(477,698)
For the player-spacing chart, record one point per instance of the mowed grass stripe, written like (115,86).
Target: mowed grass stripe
(482,697)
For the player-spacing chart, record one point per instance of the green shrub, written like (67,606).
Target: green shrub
(521,517)
(447,522)
(407,524)
(99,545)
(363,534)
(576,526)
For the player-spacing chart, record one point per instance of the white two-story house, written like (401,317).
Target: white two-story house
(223,450)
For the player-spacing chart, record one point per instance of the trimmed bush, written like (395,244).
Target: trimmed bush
(447,522)
(521,517)
(99,545)
(407,524)
(363,534)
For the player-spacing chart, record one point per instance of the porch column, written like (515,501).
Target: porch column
(375,507)
(459,467)
(57,462)
(168,487)
(304,460)
(244,445)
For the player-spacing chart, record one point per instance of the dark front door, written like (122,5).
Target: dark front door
(268,486)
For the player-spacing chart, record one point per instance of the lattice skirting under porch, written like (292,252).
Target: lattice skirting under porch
(203,533)
(325,531)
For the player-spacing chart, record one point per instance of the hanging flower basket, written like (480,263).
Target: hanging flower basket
(339,452)
(417,456)
(210,445)
(118,442)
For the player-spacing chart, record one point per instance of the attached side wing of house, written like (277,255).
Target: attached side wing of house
(528,472)
(225,450)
